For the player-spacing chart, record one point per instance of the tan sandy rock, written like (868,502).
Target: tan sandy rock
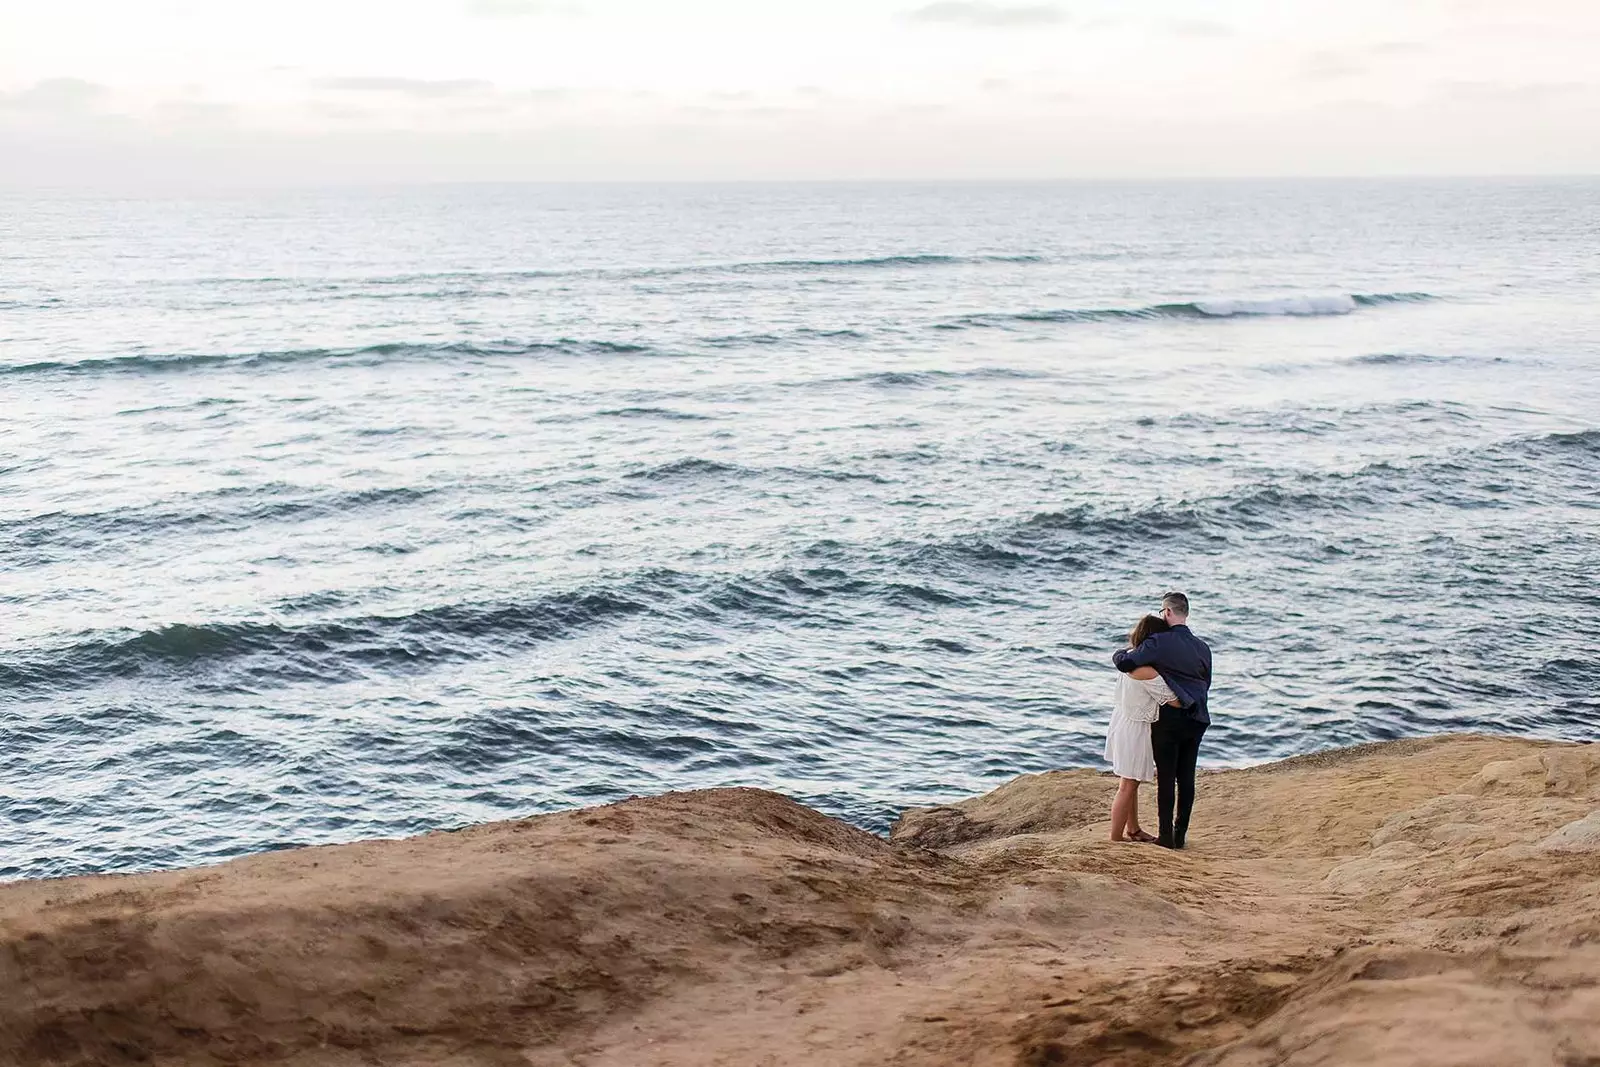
(1580,835)
(1432,901)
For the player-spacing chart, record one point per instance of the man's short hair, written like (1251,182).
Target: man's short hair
(1177,603)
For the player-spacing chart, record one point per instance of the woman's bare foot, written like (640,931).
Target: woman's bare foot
(1141,836)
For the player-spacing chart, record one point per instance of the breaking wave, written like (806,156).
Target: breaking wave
(1279,306)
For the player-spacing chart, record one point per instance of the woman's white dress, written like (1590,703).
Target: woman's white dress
(1138,705)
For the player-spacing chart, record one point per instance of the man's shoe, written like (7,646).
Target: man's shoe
(1177,841)
(1165,842)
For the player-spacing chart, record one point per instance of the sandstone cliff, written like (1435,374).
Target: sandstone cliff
(1419,902)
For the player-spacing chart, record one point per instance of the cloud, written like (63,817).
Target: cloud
(1329,66)
(978,13)
(1201,28)
(421,87)
(204,113)
(1398,48)
(1523,94)
(516,9)
(342,113)
(56,96)
(1336,65)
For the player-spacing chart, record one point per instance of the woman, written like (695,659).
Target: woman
(1140,695)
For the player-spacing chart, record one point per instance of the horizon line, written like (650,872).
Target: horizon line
(205,185)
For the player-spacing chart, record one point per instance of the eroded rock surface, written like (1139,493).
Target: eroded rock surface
(1423,902)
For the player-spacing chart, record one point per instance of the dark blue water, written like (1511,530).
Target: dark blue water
(350,514)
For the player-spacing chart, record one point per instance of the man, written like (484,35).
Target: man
(1184,662)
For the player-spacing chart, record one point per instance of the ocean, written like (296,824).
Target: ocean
(328,515)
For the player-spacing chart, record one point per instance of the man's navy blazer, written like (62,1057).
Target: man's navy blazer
(1182,660)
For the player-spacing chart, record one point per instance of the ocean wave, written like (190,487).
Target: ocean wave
(1584,441)
(914,259)
(262,654)
(244,507)
(1503,475)
(799,335)
(1379,299)
(1280,306)
(368,355)
(891,378)
(1317,419)
(1310,514)
(344,285)
(689,467)
(378,354)
(669,414)
(696,467)
(923,378)
(45,536)
(1402,359)
(331,650)
(1572,459)
(1337,304)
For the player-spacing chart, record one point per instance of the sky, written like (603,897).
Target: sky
(317,91)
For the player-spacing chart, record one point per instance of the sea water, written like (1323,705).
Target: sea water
(350,513)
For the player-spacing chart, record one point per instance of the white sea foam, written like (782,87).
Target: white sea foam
(1338,304)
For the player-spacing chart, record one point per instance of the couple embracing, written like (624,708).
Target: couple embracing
(1159,718)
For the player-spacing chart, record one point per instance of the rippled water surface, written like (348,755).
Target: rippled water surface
(349,514)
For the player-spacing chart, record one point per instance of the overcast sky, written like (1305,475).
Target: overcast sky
(229,91)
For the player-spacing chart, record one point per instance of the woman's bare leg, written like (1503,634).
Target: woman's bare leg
(1124,809)
(1132,829)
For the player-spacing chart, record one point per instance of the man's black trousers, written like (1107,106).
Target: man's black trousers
(1176,740)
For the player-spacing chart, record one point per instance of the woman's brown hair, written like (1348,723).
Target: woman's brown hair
(1149,624)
